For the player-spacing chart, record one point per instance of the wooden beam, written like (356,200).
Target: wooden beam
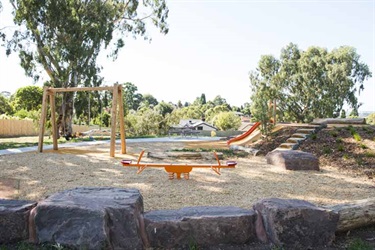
(113,121)
(43,117)
(122,124)
(76,89)
(53,120)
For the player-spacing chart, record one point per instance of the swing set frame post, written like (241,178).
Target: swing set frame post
(49,93)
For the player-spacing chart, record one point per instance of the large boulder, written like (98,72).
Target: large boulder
(295,224)
(199,226)
(91,218)
(293,160)
(14,220)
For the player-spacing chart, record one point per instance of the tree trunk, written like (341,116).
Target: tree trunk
(65,119)
(355,215)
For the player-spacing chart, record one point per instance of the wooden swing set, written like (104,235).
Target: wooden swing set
(49,93)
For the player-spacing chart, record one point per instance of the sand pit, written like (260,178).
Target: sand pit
(41,174)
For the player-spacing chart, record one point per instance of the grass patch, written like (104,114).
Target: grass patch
(356,136)
(339,140)
(327,150)
(340,147)
(359,244)
(334,133)
(314,136)
(370,154)
(363,146)
(30,246)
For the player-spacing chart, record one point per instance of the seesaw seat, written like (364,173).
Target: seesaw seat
(178,169)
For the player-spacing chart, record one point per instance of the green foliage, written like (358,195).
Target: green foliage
(357,137)
(28,98)
(359,244)
(370,119)
(326,150)
(363,146)
(370,154)
(343,114)
(5,106)
(310,84)
(132,99)
(68,36)
(22,114)
(227,120)
(340,148)
(334,133)
(314,136)
(339,140)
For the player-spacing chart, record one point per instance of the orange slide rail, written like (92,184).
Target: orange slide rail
(178,169)
(244,135)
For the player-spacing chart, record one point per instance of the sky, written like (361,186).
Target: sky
(212,46)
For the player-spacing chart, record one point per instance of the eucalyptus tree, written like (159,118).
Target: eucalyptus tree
(63,38)
(308,84)
(132,99)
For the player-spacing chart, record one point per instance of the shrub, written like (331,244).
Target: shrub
(363,146)
(370,119)
(327,150)
(339,140)
(370,154)
(359,244)
(357,137)
(340,148)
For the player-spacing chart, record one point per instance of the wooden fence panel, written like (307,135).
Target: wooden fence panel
(13,128)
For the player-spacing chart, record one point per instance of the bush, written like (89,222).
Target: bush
(370,119)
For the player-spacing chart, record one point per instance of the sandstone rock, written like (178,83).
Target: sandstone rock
(199,226)
(293,160)
(296,224)
(14,217)
(91,218)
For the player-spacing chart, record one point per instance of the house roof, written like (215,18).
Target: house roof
(193,123)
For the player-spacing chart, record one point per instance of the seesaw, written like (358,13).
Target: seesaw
(178,169)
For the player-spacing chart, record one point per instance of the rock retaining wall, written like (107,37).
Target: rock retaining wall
(113,218)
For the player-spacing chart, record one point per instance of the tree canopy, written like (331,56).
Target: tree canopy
(64,37)
(315,83)
(28,98)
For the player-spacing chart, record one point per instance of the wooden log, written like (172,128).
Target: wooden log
(354,215)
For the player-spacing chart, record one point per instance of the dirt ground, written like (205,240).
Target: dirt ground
(41,174)
(33,176)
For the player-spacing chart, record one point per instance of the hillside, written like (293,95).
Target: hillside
(348,148)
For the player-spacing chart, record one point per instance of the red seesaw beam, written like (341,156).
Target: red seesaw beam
(178,169)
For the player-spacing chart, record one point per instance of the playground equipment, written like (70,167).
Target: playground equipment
(244,135)
(117,111)
(178,169)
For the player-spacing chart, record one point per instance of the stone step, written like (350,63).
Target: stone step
(291,146)
(300,135)
(281,149)
(305,130)
(295,140)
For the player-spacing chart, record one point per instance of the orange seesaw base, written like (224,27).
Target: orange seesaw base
(177,169)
